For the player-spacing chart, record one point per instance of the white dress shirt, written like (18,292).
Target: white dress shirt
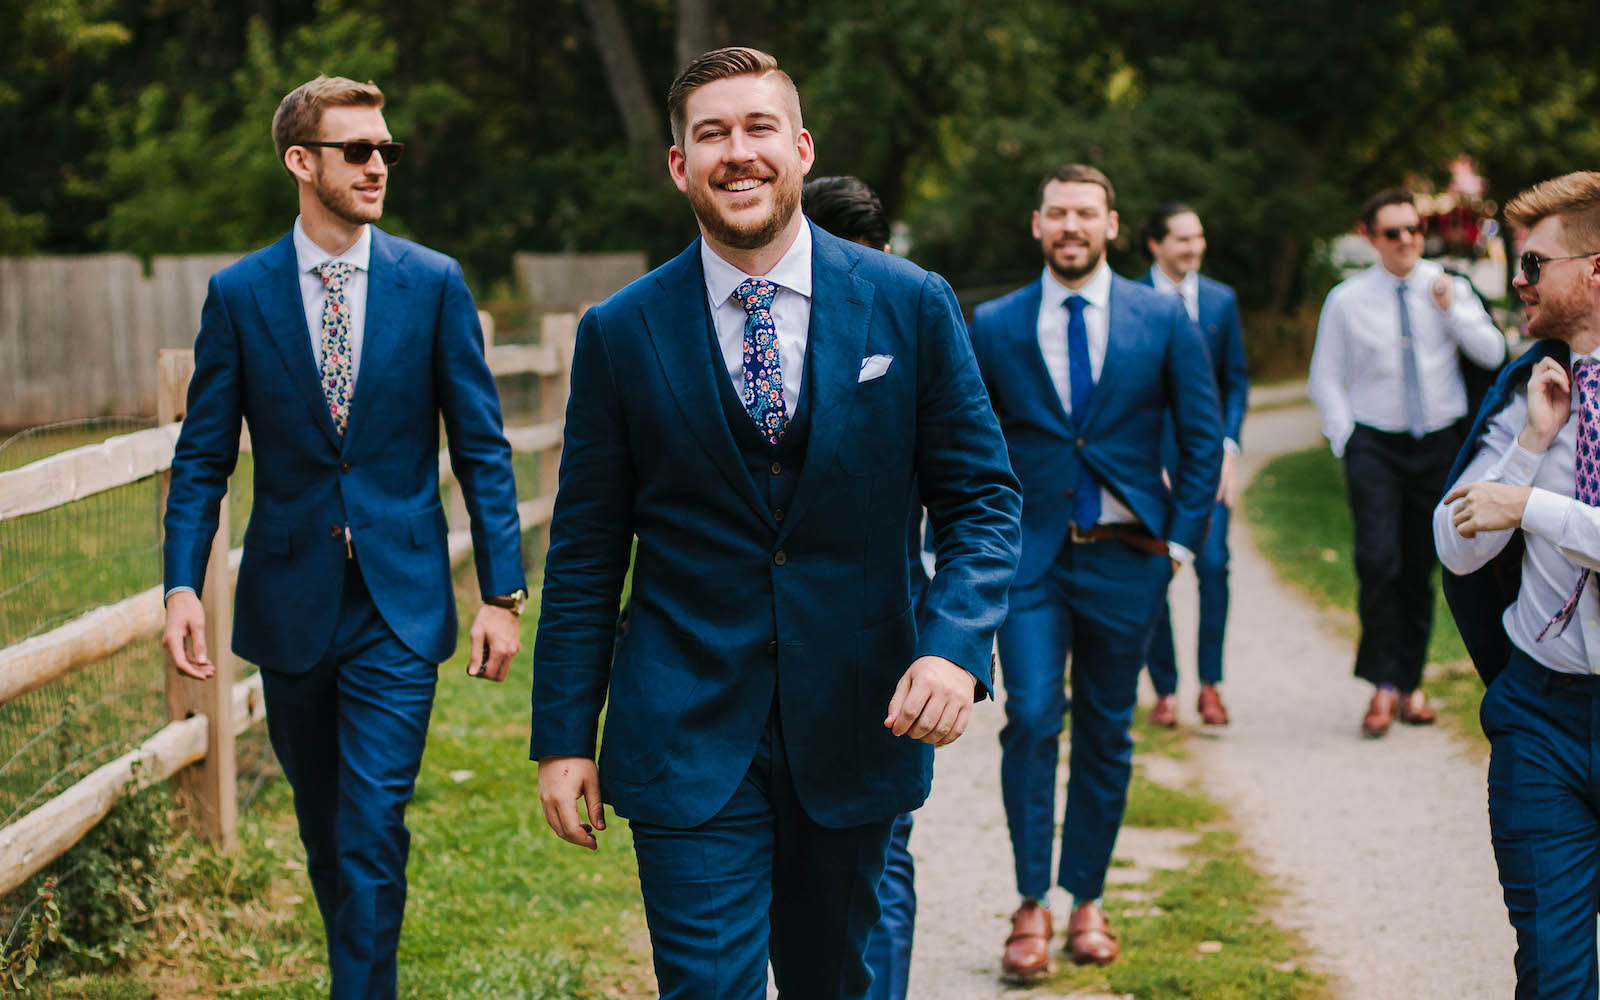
(1357,371)
(1188,289)
(314,294)
(1562,535)
(791,312)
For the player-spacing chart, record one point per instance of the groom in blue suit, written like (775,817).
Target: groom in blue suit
(1085,369)
(342,348)
(763,414)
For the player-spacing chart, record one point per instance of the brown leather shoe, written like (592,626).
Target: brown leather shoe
(1165,713)
(1027,955)
(1212,711)
(1415,710)
(1089,938)
(1380,714)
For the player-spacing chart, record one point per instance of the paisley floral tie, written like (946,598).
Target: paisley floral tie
(763,375)
(337,376)
(1586,485)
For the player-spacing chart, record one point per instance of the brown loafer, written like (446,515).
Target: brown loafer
(1027,955)
(1380,714)
(1165,713)
(1212,711)
(1089,939)
(1415,710)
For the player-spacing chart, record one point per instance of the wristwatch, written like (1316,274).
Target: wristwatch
(512,602)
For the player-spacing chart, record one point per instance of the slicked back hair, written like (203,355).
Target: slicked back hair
(847,208)
(1156,225)
(1383,199)
(1078,173)
(299,115)
(1575,197)
(722,64)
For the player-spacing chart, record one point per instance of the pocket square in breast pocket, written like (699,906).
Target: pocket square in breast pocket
(875,366)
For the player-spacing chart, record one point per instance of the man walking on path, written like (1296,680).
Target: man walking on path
(1386,378)
(756,412)
(1084,370)
(1176,242)
(1520,530)
(342,347)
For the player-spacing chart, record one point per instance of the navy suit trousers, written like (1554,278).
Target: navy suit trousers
(1095,603)
(349,734)
(1544,816)
(761,880)
(1211,570)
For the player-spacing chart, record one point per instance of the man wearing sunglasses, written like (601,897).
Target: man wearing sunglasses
(1385,375)
(343,347)
(1522,529)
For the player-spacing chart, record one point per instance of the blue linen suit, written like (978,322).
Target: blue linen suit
(770,617)
(1092,600)
(1224,337)
(348,647)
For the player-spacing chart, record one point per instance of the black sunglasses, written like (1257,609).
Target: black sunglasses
(1532,262)
(359,151)
(1393,232)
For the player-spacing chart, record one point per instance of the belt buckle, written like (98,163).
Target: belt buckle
(1077,535)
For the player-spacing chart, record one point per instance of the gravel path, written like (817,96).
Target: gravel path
(1382,846)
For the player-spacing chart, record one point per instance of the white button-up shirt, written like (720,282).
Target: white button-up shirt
(314,294)
(1188,289)
(791,312)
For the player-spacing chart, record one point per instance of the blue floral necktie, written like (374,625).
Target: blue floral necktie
(337,374)
(763,375)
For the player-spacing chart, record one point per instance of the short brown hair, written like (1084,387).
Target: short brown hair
(1575,197)
(1383,199)
(1078,173)
(299,115)
(720,64)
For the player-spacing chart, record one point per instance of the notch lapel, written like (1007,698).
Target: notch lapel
(387,299)
(1124,334)
(277,293)
(1023,326)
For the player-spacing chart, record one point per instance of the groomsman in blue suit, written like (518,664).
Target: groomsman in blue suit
(1176,242)
(763,413)
(343,347)
(1085,369)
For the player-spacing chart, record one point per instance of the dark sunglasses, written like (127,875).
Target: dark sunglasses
(1532,262)
(359,151)
(1393,232)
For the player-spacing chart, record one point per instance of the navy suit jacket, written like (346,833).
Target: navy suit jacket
(1479,599)
(1224,337)
(1156,365)
(649,454)
(422,358)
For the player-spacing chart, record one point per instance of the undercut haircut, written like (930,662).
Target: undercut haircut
(1575,197)
(299,115)
(1078,173)
(1156,225)
(1383,199)
(847,208)
(722,64)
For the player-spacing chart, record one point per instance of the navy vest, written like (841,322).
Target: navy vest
(775,470)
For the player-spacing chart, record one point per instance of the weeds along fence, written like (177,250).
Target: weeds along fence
(89,710)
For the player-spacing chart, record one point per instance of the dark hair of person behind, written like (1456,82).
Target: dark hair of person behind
(1078,173)
(847,208)
(1384,198)
(1155,227)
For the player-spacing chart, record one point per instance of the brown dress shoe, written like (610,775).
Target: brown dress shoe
(1212,712)
(1380,714)
(1027,955)
(1166,711)
(1415,710)
(1089,939)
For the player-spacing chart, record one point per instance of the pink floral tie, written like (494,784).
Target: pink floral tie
(336,362)
(1586,465)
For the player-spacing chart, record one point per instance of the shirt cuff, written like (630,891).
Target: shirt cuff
(168,595)
(1517,466)
(1181,554)
(1546,513)
(1230,446)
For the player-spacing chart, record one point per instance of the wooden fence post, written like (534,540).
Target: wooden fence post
(558,331)
(209,786)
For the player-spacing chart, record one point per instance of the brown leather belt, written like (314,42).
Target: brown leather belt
(1133,535)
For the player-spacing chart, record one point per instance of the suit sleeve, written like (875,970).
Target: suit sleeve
(591,536)
(480,456)
(1197,426)
(973,499)
(1236,374)
(207,448)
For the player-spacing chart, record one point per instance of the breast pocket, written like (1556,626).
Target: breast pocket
(880,427)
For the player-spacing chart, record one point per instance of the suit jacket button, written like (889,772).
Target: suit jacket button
(335,533)
(777,515)
(772,648)
(1071,493)
(1078,443)
(344,466)
(780,557)
(777,468)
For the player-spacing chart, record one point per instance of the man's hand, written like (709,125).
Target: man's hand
(1443,292)
(1228,486)
(1487,507)
(186,620)
(495,638)
(562,782)
(932,701)
(1549,405)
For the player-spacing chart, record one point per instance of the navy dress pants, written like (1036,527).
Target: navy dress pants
(1211,569)
(349,734)
(1095,603)
(889,946)
(1544,816)
(761,880)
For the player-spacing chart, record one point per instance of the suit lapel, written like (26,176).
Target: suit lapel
(387,291)
(1028,358)
(277,293)
(1123,342)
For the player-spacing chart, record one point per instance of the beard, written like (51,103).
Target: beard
(341,201)
(751,236)
(1556,317)
(1069,273)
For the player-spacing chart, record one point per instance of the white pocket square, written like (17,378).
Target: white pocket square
(875,366)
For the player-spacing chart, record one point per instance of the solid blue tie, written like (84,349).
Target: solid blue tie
(1416,423)
(1086,495)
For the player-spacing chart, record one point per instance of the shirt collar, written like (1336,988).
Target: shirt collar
(793,271)
(1187,287)
(308,255)
(1097,289)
